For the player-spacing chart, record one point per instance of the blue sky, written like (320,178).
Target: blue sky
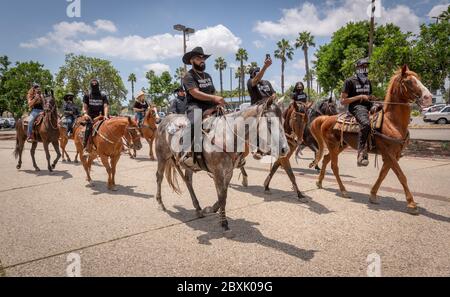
(138,35)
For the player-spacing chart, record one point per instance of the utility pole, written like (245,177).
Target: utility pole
(372,28)
(186,31)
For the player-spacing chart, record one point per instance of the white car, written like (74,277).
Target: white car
(434,108)
(441,117)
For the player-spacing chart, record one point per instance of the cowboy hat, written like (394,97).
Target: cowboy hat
(198,51)
(363,61)
(140,94)
(66,97)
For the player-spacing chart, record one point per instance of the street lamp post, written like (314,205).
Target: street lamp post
(186,31)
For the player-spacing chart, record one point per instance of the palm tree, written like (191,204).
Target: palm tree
(179,74)
(305,40)
(242,56)
(221,65)
(284,52)
(251,66)
(237,76)
(132,79)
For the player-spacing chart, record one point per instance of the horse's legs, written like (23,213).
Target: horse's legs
(150,142)
(20,143)
(114,162)
(222,182)
(315,150)
(287,167)
(334,154)
(47,155)
(58,153)
(76,158)
(270,176)
(412,205)
(32,152)
(189,176)
(244,177)
(105,161)
(159,179)
(326,160)
(383,173)
(63,144)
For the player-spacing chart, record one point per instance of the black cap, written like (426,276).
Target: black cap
(253,70)
(198,51)
(363,61)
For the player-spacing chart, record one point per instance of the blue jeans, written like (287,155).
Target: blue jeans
(33,115)
(140,117)
(68,123)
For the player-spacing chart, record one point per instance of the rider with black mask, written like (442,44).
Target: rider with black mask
(200,96)
(95,104)
(299,94)
(357,94)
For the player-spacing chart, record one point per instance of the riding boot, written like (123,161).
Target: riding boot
(363,158)
(87,135)
(361,114)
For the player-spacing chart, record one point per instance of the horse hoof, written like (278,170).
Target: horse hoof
(374,200)
(90,185)
(228,234)
(245,183)
(413,211)
(319,185)
(199,214)
(345,195)
(207,210)
(267,192)
(53,166)
(318,168)
(18,167)
(113,189)
(162,208)
(76,161)
(37,169)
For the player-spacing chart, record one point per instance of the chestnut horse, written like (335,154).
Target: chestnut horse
(107,144)
(148,132)
(404,88)
(64,140)
(47,132)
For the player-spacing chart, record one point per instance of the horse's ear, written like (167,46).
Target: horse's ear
(53,93)
(280,101)
(46,92)
(405,69)
(330,100)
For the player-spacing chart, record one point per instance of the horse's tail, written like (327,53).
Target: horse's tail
(171,175)
(316,131)
(17,148)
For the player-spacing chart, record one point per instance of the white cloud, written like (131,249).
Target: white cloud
(218,40)
(437,10)
(300,64)
(323,21)
(63,33)
(159,68)
(258,44)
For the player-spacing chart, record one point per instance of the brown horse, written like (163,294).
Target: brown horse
(47,132)
(295,121)
(148,132)
(64,140)
(107,144)
(404,88)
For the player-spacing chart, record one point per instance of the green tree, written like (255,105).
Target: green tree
(16,82)
(284,52)
(132,79)
(242,56)
(179,75)
(304,41)
(160,87)
(4,64)
(76,73)
(220,65)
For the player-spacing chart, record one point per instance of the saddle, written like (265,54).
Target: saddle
(346,122)
(37,122)
(98,122)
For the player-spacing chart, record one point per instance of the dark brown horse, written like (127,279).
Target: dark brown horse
(404,88)
(107,144)
(64,140)
(46,132)
(295,120)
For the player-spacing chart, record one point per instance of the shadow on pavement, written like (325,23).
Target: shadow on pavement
(284,196)
(64,174)
(244,230)
(388,204)
(101,187)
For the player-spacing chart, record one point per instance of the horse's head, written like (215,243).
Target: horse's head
(132,135)
(49,101)
(270,119)
(409,89)
(151,118)
(328,107)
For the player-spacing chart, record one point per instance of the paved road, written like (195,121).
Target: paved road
(430,134)
(44,218)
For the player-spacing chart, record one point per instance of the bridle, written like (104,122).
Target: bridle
(50,109)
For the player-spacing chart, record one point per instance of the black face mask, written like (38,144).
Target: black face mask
(200,67)
(362,74)
(95,89)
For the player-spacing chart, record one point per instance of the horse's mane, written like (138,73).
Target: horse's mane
(246,112)
(395,83)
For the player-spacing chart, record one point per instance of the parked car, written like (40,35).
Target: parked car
(3,122)
(12,122)
(439,117)
(434,108)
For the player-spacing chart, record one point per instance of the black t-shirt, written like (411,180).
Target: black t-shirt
(201,81)
(353,87)
(300,97)
(95,104)
(140,105)
(259,92)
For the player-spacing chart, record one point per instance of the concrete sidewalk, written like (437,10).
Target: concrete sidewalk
(46,217)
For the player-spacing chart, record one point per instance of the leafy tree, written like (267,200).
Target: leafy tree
(179,74)
(16,82)
(160,87)
(77,72)
(284,52)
